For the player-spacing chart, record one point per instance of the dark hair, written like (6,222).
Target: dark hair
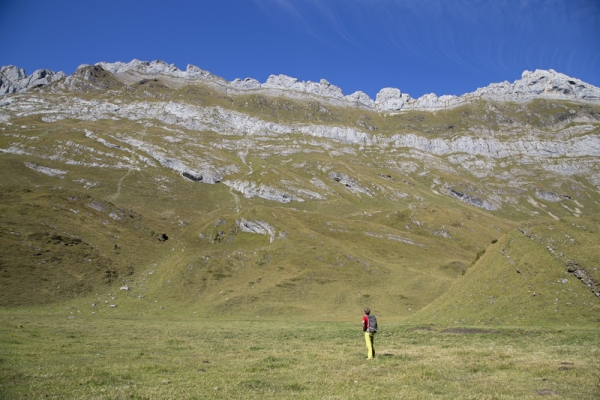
(367,310)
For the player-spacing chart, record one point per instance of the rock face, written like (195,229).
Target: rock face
(154,96)
(349,182)
(258,227)
(532,85)
(14,80)
(541,84)
(157,67)
(537,84)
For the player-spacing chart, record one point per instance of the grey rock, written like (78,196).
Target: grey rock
(252,189)
(95,205)
(193,72)
(14,79)
(323,88)
(549,84)
(159,67)
(258,227)
(360,99)
(471,199)
(45,170)
(548,196)
(246,84)
(204,176)
(12,73)
(562,150)
(584,276)
(349,182)
(540,83)
(283,82)
(537,84)
(391,99)
(442,233)
(432,102)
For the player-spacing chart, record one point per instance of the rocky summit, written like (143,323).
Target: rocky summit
(316,200)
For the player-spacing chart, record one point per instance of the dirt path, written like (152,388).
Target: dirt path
(116,195)
(236,198)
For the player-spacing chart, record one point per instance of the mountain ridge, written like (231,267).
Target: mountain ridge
(533,84)
(309,203)
(572,152)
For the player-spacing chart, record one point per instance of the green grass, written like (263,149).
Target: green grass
(46,354)
(524,279)
(407,246)
(214,312)
(325,259)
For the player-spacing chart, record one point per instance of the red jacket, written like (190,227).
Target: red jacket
(365,322)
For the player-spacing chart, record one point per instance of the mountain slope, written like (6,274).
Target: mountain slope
(545,273)
(283,198)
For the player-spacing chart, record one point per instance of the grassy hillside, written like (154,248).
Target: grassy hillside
(90,204)
(531,276)
(62,242)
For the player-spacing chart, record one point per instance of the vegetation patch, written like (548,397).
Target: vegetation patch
(123,355)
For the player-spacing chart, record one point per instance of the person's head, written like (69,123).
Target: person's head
(367,311)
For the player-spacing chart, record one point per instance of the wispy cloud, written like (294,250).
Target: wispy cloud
(311,17)
(476,35)
(275,8)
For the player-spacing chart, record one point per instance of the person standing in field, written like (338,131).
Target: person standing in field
(369,325)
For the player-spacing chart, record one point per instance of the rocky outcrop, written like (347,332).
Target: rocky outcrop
(550,196)
(258,227)
(196,173)
(584,276)
(246,84)
(227,122)
(360,99)
(46,170)
(14,79)
(470,198)
(158,67)
(391,99)
(537,84)
(559,149)
(90,77)
(540,84)
(252,189)
(533,84)
(349,182)
(323,88)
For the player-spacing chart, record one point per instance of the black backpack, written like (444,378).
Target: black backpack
(372,324)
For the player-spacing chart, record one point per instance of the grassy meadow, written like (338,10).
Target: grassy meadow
(68,354)
(120,278)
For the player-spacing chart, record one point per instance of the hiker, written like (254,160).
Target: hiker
(369,325)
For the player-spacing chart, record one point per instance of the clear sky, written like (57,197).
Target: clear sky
(418,46)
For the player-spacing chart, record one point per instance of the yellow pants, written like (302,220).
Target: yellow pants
(370,340)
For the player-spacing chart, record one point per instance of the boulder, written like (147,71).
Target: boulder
(360,99)
(391,99)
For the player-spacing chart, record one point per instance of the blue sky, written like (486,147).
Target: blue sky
(419,46)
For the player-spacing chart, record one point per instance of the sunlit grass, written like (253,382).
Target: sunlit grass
(104,357)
